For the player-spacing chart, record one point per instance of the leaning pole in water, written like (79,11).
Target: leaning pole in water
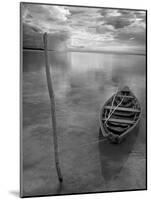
(52,101)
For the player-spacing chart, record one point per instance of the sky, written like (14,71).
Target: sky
(82,28)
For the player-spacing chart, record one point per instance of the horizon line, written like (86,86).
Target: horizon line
(86,51)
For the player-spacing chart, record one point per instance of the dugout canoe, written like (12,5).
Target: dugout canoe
(120,115)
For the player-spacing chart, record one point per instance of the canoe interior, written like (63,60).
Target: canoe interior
(120,113)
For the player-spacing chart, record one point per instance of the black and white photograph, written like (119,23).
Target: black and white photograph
(83,99)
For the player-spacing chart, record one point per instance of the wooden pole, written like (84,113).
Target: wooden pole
(52,101)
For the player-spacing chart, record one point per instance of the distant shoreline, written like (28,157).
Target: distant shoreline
(87,51)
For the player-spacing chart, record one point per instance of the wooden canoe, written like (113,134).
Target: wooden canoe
(120,115)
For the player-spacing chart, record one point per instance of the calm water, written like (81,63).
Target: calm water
(82,83)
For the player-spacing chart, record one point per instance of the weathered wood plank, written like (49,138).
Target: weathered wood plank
(122,109)
(119,120)
(128,97)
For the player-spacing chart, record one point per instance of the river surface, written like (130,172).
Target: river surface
(82,82)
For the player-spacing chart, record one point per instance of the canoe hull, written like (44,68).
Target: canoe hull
(115,138)
(118,139)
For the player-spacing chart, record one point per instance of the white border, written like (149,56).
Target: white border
(9,100)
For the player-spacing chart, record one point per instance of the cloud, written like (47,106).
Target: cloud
(135,32)
(117,18)
(120,18)
(33,38)
(45,12)
(105,28)
(125,27)
(38,19)
(118,22)
(86,28)
(44,16)
(75,11)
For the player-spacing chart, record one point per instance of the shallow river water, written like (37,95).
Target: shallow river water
(82,83)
